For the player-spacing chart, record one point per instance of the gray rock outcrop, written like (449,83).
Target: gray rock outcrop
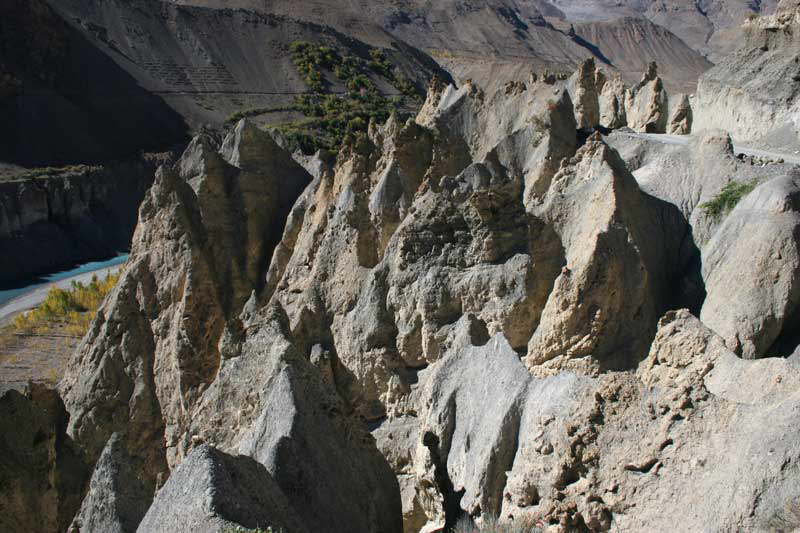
(42,472)
(117,498)
(214,491)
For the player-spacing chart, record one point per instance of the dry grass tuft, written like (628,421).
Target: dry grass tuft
(74,308)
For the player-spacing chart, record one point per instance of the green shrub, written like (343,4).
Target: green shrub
(254,112)
(337,116)
(727,198)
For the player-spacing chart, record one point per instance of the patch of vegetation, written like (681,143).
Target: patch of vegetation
(50,172)
(233,118)
(310,59)
(331,119)
(75,307)
(727,198)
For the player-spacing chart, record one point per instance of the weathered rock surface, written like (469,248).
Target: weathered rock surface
(608,103)
(751,267)
(753,93)
(117,497)
(490,297)
(686,176)
(213,491)
(41,471)
(680,118)
(646,103)
(613,452)
(746,275)
(171,337)
(612,232)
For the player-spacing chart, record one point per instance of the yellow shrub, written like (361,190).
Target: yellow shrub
(74,307)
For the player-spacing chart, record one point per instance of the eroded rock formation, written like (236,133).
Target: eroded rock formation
(42,473)
(499,303)
(606,102)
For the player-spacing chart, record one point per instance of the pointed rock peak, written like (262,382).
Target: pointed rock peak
(436,89)
(246,146)
(651,73)
(596,152)
(195,159)
(560,109)
(718,141)
(586,68)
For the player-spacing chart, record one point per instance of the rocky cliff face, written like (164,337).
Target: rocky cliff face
(70,216)
(478,312)
(753,92)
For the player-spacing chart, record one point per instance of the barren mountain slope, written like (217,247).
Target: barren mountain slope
(489,42)
(208,63)
(64,100)
(629,44)
(710,27)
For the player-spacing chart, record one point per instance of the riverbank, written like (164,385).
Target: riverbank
(42,356)
(17,299)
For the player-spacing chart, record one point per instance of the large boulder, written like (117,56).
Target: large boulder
(751,268)
(117,497)
(214,491)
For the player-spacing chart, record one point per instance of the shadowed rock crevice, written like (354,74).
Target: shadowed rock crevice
(452,499)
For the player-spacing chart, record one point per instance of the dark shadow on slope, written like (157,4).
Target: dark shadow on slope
(89,110)
(580,41)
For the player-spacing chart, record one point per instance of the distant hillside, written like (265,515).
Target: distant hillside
(140,74)
(629,44)
(494,41)
(709,27)
(64,100)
